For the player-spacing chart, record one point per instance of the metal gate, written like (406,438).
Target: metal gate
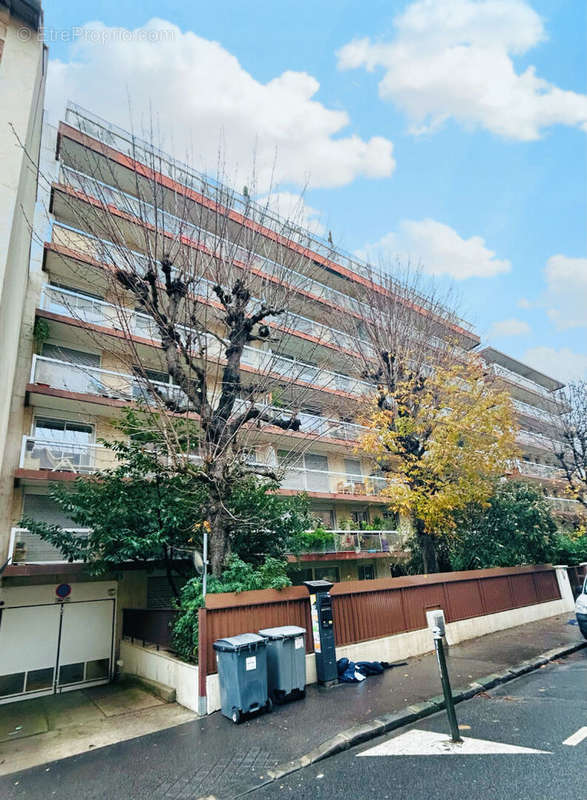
(53,648)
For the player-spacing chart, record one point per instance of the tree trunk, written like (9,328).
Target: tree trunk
(218,541)
(426,542)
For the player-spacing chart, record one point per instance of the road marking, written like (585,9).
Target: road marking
(428,743)
(576,738)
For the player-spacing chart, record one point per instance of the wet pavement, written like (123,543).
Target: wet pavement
(212,756)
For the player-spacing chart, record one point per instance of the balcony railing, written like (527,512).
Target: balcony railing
(531,470)
(28,548)
(533,439)
(45,454)
(566,505)
(532,411)
(313,480)
(341,541)
(140,150)
(513,377)
(107,383)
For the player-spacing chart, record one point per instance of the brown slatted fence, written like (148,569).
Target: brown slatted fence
(366,610)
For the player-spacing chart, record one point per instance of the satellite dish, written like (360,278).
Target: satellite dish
(198,562)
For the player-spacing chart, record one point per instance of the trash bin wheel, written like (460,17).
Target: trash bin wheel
(301,693)
(237,716)
(269,705)
(278,696)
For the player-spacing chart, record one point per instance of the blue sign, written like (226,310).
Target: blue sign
(63,591)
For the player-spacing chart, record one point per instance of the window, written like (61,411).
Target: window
(352,466)
(327,574)
(325,517)
(60,445)
(366,572)
(43,508)
(71,356)
(359,516)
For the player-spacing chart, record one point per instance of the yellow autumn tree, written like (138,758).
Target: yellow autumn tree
(443,436)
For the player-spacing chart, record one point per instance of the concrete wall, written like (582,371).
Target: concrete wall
(22,89)
(163,667)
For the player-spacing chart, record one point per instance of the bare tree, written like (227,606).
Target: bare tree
(569,440)
(206,287)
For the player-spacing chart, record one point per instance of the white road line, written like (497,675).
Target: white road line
(428,743)
(576,738)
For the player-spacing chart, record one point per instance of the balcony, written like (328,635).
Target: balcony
(340,541)
(544,471)
(519,380)
(51,456)
(28,548)
(313,480)
(566,505)
(533,439)
(532,411)
(138,149)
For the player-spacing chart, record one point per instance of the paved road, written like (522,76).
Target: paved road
(212,756)
(540,711)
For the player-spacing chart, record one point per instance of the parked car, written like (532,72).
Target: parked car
(581,609)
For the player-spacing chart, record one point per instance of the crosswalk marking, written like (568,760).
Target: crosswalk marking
(428,743)
(576,738)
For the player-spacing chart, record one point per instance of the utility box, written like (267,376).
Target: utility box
(323,631)
(286,661)
(242,674)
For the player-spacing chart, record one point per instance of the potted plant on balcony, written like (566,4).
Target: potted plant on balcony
(19,553)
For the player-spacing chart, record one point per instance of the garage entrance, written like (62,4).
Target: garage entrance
(53,648)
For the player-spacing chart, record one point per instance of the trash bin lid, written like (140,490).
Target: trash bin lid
(241,642)
(284,632)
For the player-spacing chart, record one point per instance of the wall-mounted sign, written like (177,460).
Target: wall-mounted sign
(63,591)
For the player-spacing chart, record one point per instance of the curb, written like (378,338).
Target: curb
(389,722)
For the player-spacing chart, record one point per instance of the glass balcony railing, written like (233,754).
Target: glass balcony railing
(144,152)
(45,454)
(533,439)
(532,411)
(519,380)
(27,548)
(219,247)
(532,470)
(98,312)
(313,480)
(83,379)
(566,505)
(359,542)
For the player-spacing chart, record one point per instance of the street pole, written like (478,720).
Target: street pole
(448,699)
(205,559)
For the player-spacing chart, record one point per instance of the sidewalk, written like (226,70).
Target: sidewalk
(212,757)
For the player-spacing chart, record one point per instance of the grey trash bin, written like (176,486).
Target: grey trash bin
(286,661)
(242,673)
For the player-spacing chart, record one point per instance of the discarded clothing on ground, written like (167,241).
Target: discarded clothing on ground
(355,672)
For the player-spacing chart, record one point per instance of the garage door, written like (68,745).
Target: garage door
(54,648)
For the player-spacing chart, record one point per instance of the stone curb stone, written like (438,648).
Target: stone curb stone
(389,722)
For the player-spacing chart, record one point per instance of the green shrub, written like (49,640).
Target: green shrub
(238,576)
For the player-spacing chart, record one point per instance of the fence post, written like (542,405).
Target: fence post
(564,585)
(202,662)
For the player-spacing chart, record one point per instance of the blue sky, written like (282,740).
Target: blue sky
(448,131)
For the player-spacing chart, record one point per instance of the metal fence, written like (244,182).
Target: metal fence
(373,609)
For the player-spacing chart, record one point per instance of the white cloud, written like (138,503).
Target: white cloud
(203,99)
(509,327)
(439,249)
(564,364)
(292,207)
(566,299)
(454,58)
(523,302)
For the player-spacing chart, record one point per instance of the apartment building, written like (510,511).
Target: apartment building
(75,383)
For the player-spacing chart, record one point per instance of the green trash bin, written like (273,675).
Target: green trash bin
(286,662)
(242,673)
